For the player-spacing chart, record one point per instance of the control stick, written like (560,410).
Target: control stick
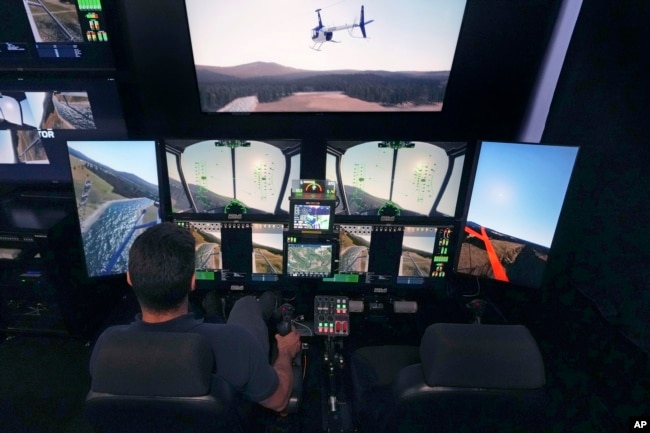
(286,316)
(477,307)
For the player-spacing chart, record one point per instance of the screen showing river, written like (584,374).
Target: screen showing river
(116,188)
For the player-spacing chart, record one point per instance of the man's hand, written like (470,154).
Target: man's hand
(288,349)
(288,345)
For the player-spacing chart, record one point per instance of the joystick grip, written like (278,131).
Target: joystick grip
(286,314)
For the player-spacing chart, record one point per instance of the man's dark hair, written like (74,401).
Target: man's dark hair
(161,265)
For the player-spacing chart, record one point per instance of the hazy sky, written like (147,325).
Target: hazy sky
(418,35)
(259,172)
(519,189)
(420,238)
(135,157)
(419,174)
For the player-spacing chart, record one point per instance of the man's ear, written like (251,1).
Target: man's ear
(128,278)
(193,283)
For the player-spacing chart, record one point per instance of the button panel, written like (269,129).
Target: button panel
(331,315)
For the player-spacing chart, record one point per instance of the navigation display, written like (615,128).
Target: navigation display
(309,257)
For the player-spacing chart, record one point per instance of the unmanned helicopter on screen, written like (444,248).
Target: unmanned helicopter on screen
(322,34)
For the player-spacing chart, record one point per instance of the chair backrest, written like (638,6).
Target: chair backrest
(472,378)
(157,381)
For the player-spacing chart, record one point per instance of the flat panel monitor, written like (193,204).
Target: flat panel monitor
(257,56)
(208,244)
(238,251)
(403,254)
(268,251)
(354,248)
(232,176)
(311,215)
(515,204)
(426,253)
(39,115)
(117,193)
(309,257)
(54,34)
(397,179)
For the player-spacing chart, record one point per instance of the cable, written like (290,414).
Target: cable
(311,333)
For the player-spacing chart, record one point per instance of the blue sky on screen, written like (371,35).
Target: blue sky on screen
(415,35)
(519,189)
(135,157)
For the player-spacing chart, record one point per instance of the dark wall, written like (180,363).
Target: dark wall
(601,103)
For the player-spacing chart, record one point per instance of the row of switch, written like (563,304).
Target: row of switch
(338,327)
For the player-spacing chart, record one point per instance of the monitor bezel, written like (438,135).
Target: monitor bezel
(461,275)
(86,56)
(160,162)
(495,44)
(336,148)
(293,239)
(291,147)
(298,204)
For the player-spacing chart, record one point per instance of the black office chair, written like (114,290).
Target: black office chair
(158,382)
(462,378)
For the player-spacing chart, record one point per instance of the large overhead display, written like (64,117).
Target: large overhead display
(346,56)
(515,205)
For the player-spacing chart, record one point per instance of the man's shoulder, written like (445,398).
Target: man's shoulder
(113,329)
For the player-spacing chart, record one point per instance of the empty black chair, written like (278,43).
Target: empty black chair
(462,378)
(158,382)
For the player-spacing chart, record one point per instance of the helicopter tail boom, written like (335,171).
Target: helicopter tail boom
(362,23)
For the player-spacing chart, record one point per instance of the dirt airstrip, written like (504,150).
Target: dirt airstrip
(333,101)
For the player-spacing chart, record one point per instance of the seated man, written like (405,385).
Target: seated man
(161,272)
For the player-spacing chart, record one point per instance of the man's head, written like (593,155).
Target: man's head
(161,267)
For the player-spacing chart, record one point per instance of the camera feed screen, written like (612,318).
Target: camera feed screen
(232,176)
(53,33)
(425,253)
(515,205)
(208,244)
(404,254)
(116,189)
(23,114)
(397,178)
(267,250)
(354,245)
(385,56)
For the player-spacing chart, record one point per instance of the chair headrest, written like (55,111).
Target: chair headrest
(153,364)
(481,356)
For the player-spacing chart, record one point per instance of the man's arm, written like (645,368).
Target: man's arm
(288,348)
